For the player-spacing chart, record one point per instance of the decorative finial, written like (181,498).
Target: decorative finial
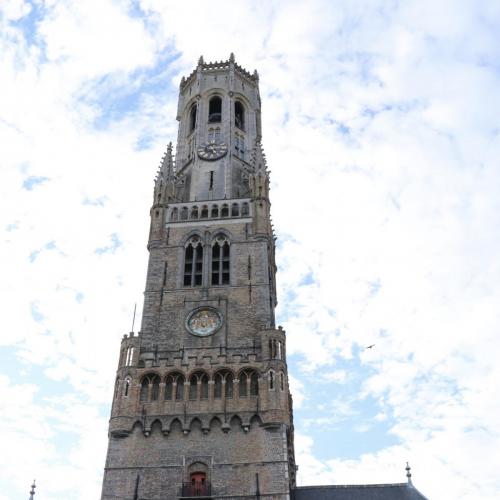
(408,472)
(255,74)
(32,492)
(231,57)
(201,62)
(167,165)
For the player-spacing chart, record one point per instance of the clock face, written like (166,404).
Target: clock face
(204,321)
(212,150)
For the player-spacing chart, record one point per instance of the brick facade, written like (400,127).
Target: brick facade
(210,405)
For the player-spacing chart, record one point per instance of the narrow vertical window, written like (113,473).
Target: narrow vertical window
(218,386)
(282,381)
(168,388)
(229,386)
(215,110)
(155,390)
(192,118)
(179,393)
(193,388)
(117,387)
(126,389)
(211,181)
(239,115)
(271,380)
(144,389)
(193,262)
(220,261)
(243,385)
(204,387)
(254,384)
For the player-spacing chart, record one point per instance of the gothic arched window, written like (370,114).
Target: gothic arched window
(239,115)
(179,392)
(126,389)
(229,385)
(192,118)
(235,210)
(215,110)
(244,209)
(204,387)
(243,385)
(254,384)
(218,386)
(144,389)
(193,262)
(220,260)
(155,389)
(271,379)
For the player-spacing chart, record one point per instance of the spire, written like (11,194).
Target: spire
(32,492)
(167,171)
(408,473)
(231,57)
(201,62)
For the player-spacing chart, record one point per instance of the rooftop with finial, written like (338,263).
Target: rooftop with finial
(218,66)
(32,492)
(408,472)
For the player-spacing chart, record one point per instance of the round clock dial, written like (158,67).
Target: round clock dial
(212,150)
(204,321)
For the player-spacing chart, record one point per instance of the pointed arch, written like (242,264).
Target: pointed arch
(193,262)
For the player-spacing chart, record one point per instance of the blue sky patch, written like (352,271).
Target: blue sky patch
(31,182)
(115,244)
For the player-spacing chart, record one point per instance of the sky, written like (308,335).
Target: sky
(381,130)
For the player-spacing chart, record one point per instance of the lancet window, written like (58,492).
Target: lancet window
(215,110)
(220,260)
(248,384)
(192,118)
(223,384)
(239,115)
(150,388)
(193,262)
(198,386)
(174,387)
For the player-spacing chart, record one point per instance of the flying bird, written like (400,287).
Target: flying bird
(370,346)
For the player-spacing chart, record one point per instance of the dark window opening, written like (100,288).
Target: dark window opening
(243,385)
(239,115)
(244,209)
(192,118)
(193,263)
(155,390)
(193,388)
(271,380)
(211,182)
(254,384)
(224,211)
(215,110)
(215,211)
(179,393)
(144,390)
(204,212)
(204,387)
(194,212)
(218,386)
(235,210)
(229,386)
(221,261)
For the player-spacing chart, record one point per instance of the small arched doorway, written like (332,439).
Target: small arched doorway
(198,484)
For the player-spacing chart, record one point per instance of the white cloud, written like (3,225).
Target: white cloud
(381,130)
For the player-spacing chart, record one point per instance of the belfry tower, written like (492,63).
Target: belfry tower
(201,406)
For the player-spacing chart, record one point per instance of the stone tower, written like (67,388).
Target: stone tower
(201,406)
